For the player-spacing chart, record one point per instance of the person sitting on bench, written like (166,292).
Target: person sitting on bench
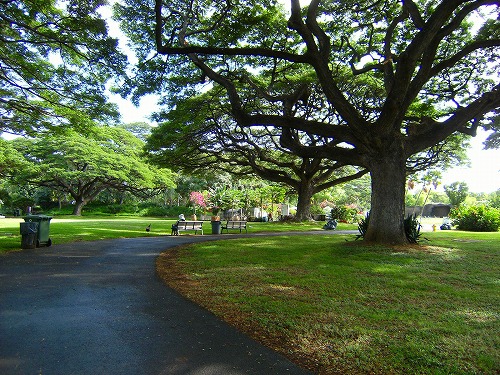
(175,227)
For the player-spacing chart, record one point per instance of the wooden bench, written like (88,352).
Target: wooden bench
(187,225)
(234,224)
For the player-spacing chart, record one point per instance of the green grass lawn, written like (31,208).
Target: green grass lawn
(65,229)
(329,302)
(71,229)
(339,307)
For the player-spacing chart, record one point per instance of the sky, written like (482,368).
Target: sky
(483,174)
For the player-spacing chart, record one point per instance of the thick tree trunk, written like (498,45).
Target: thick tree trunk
(305,193)
(388,175)
(77,210)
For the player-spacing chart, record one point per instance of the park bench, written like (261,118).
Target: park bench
(234,224)
(188,225)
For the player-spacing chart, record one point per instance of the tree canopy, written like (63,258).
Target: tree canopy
(55,60)
(85,165)
(379,83)
(457,192)
(198,135)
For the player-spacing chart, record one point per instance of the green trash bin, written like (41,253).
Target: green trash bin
(43,221)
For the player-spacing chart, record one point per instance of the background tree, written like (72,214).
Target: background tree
(10,159)
(198,135)
(84,166)
(431,76)
(17,198)
(494,199)
(424,183)
(457,193)
(353,193)
(141,130)
(244,194)
(55,59)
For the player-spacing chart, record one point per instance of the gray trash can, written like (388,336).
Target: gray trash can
(43,221)
(29,235)
(216,227)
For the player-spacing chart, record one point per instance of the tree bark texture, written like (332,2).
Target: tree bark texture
(77,210)
(388,176)
(305,193)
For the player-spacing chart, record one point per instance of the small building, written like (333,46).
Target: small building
(429,210)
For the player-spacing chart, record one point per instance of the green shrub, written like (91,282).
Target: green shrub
(316,209)
(129,209)
(412,228)
(115,209)
(344,213)
(476,218)
(65,210)
(363,226)
(159,211)
(164,211)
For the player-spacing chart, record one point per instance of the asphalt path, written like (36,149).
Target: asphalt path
(99,308)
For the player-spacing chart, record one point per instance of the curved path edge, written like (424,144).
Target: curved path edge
(99,308)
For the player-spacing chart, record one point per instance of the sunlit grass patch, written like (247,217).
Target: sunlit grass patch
(65,229)
(69,229)
(342,307)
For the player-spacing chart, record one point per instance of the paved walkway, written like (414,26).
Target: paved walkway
(98,308)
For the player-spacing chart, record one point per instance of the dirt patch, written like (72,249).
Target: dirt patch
(407,248)
(171,271)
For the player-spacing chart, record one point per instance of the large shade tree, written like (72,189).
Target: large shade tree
(105,158)
(396,78)
(199,136)
(55,60)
